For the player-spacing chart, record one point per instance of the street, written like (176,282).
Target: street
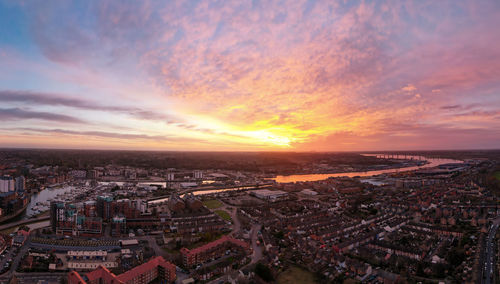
(488,266)
(154,246)
(257,249)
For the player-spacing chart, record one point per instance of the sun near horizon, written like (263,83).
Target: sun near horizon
(250,75)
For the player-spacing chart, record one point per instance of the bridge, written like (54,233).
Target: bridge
(400,156)
(23,222)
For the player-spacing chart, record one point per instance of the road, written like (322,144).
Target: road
(34,277)
(22,222)
(4,259)
(154,245)
(236,224)
(257,249)
(16,260)
(488,265)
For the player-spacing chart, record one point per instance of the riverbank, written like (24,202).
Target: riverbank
(16,214)
(430,163)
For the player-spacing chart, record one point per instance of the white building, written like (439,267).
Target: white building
(170,176)
(7,184)
(198,174)
(308,191)
(269,195)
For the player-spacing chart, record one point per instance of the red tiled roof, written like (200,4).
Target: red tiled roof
(104,274)
(74,278)
(23,232)
(215,243)
(143,268)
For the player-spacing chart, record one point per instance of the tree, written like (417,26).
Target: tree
(263,272)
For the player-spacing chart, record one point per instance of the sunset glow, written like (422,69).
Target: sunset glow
(250,75)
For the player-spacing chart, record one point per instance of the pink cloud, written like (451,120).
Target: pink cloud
(310,72)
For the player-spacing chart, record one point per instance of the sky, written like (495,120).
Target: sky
(242,75)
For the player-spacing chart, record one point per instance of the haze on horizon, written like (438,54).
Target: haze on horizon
(250,75)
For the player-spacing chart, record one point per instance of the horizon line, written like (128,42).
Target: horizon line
(245,151)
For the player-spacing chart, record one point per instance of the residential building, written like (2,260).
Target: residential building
(157,269)
(213,250)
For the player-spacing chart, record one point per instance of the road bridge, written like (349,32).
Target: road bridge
(23,222)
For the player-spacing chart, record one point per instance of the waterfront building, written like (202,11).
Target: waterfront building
(118,226)
(69,219)
(7,184)
(103,207)
(20,183)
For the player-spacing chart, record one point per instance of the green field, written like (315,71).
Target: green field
(497,175)
(297,275)
(223,214)
(212,204)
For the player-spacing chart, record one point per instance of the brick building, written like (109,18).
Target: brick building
(213,250)
(157,269)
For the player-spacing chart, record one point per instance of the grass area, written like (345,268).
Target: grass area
(223,214)
(213,204)
(297,275)
(497,175)
(205,239)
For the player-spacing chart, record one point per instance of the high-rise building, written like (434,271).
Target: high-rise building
(198,174)
(124,207)
(20,183)
(7,184)
(57,210)
(92,174)
(71,219)
(170,176)
(118,226)
(89,208)
(103,207)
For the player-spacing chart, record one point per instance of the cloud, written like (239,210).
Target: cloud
(20,114)
(462,106)
(409,88)
(409,137)
(53,99)
(304,70)
(105,134)
(451,107)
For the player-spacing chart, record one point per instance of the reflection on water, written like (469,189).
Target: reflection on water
(122,183)
(315,177)
(45,196)
(42,199)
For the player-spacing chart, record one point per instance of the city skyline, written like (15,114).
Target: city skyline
(250,75)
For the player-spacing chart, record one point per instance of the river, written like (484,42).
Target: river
(315,177)
(47,194)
